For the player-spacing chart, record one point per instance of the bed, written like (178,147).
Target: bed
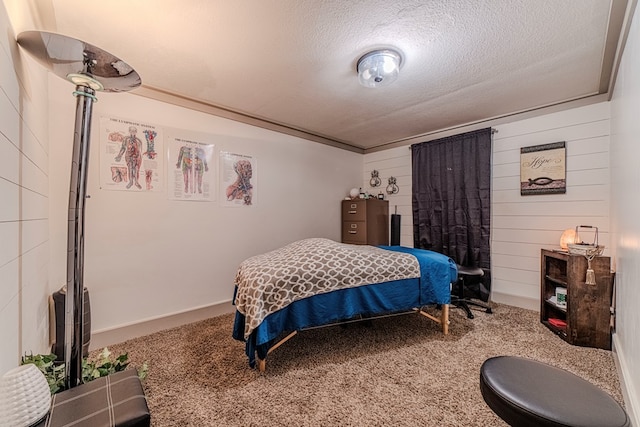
(316,282)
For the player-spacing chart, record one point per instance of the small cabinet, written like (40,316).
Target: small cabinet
(365,222)
(585,320)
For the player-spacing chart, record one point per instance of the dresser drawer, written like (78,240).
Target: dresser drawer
(365,222)
(354,232)
(354,210)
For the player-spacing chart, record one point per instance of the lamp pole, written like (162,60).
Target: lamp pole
(74,311)
(91,69)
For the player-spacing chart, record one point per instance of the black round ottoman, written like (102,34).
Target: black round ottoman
(525,392)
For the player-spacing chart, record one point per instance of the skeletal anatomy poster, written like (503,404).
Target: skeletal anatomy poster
(129,155)
(238,180)
(191,173)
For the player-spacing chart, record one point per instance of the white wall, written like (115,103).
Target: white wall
(395,162)
(24,165)
(146,256)
(522,225)
(625,213)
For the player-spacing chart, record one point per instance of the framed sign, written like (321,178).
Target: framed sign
(543,169)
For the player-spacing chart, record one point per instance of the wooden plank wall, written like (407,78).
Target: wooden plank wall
(24,205)
(395,162)
(522,225)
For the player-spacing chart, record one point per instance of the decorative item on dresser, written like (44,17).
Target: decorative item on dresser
(365,222)
(577,311)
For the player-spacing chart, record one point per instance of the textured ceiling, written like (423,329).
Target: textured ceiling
(290,64)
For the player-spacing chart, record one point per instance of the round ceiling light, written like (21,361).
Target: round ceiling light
(379,67)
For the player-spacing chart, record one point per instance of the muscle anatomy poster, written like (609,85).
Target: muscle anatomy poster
(238,180)
(191,168)
(130,155)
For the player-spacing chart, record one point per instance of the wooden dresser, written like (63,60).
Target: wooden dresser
(365,222)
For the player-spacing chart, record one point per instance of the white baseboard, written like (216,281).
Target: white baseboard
(106,337)
(631,396)
(516,301)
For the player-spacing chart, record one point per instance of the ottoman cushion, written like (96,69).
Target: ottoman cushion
(525,392)
(115,400)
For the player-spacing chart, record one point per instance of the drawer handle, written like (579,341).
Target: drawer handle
(353,212)
(352,232)
(354,225)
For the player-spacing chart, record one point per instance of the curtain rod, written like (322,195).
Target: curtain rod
(493,130)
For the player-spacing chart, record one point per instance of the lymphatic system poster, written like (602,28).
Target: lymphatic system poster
(130,155)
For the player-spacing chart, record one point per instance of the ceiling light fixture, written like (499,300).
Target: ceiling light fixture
(379,67)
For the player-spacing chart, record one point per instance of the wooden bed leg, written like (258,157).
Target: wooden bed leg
(282,341)
(444,320)
(262,363)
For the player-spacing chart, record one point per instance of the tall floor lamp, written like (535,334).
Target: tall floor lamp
(91,69)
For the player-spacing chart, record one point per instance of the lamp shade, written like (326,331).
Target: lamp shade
(567,238)
(24,396)
(379,68)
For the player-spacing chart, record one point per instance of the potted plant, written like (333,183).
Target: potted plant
(102,366)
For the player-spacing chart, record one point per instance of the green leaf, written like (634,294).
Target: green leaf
(143,371)
(54,370)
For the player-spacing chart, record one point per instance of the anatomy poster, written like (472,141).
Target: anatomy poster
(238,180)
(129,155)
(191,169)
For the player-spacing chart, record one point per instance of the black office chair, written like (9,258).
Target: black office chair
(458,298)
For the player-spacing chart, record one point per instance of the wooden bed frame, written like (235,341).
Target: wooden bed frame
(443,320)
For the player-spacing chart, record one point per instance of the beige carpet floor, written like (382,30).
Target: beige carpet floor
(398,371)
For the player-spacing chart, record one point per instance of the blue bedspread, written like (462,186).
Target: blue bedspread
(435,269)
(433,287)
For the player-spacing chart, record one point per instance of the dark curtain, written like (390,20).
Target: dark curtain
(452,198)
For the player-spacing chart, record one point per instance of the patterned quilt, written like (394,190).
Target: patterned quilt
(271,281)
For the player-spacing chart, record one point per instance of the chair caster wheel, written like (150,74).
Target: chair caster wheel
(489,311)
